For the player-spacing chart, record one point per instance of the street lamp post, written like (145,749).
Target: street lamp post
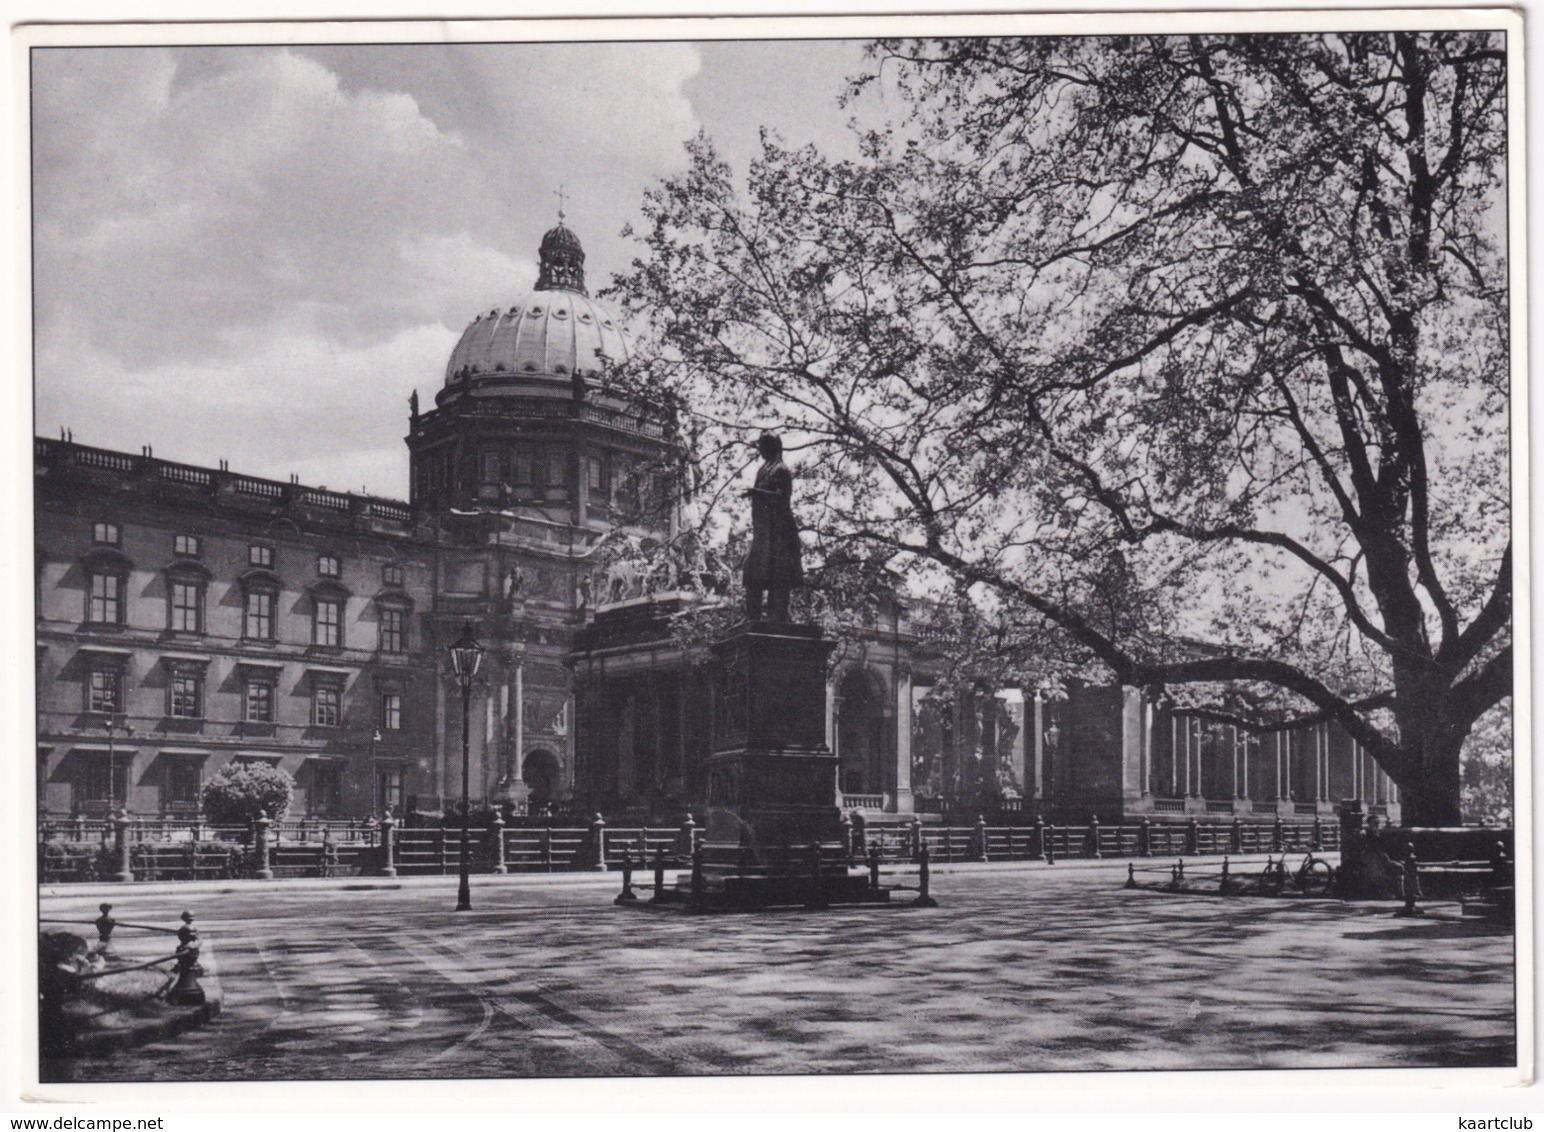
(465,659)
(375,773)
(112,763)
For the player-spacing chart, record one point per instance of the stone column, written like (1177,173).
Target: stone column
(1132,746)
(1039,738)
(903,725)
(519,721)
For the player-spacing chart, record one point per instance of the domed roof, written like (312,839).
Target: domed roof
(555,331)
(547,333)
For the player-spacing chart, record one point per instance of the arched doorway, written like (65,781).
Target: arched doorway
(860,731)
(542,773)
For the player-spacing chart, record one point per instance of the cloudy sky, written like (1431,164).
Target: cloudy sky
(257,253)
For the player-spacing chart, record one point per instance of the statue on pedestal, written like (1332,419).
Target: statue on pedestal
(772,567)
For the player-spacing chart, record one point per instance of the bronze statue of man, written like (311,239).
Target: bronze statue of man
(773,567)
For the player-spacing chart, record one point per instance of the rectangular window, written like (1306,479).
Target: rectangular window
(184,696)
(490,467)
(258,555)
(391,574)
(388,791)
(184,782)
(327,628)
(104,691)
(259,615)
(326,789)
(187,546)
(259,702)
(525,467)
(557,468)
(187,607)
(594,474)
(326,700)
(391,711)
(106,605)
(393,630)
(328,566)
(105,534)
(103,781)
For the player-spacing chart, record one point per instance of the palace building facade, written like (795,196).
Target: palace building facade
(191,617)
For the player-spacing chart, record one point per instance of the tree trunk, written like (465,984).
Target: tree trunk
(1430,795)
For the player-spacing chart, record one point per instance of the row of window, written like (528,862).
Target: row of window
(258,554)
(185,699)
(98,783)
(185,611)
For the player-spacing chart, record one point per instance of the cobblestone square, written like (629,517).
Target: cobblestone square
(1024,969)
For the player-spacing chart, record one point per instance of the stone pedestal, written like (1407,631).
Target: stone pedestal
(773,827)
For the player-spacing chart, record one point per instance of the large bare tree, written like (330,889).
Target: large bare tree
(1189,354)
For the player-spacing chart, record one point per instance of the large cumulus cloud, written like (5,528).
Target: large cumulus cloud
(238,250)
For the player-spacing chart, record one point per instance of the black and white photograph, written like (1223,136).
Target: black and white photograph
(779,548)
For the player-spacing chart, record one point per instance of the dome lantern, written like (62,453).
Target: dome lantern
(562,262)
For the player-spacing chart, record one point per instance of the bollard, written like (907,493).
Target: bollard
(260,840)
(817,897)
(698,890)
(1276,842)
(688,840)
(1318,834)
(388,845)
(500,867)
(979,848)
(916,839)
(1236,837)
(598,844)
(1192,837)
(1410,884)
(1037,847)
(659,875)
(1145,839)
(1050,846)
(188,934)
(1223,888)
(186,991)
(627,895)
(873,866)
(120,825)
(1131,875)
(1093,838)
(924,881)
(104,926)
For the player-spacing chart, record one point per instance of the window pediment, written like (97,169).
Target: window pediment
(260,579)
(101,559)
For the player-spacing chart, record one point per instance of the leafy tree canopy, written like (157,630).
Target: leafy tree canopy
(1185,358)
(238,793)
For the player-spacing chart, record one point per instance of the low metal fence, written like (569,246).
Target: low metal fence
(130,849)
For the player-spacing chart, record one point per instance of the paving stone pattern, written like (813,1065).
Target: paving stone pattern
(1022,969)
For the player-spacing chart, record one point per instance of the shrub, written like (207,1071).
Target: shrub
(239,792)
